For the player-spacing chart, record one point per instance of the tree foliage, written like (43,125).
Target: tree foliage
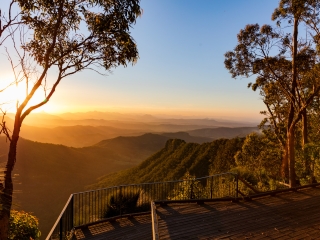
(260,156)
(189,188)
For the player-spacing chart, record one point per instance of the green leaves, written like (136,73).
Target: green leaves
(23,226)
(260,156)
(59,37)
(288,9)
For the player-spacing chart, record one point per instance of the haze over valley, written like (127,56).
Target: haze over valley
(86,129)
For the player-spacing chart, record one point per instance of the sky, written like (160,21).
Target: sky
(180,70)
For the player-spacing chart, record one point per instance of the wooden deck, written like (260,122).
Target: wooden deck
(292,215)
(136,227)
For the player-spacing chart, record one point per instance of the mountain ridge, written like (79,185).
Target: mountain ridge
(175,160)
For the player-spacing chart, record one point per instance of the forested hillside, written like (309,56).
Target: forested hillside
(46,174)
(176,159)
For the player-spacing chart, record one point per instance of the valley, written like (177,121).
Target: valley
(54,161)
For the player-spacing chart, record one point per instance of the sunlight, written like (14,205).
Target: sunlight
(16,93)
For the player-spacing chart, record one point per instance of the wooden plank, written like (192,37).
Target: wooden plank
(136,227)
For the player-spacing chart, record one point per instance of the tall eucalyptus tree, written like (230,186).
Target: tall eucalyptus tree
(283,62)
(68,36)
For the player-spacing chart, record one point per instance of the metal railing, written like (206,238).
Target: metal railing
(63,227)
(91,206)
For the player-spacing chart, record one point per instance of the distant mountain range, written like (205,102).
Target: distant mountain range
(178,120)
(223,132)
(89,132)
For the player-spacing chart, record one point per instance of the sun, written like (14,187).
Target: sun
(13,94)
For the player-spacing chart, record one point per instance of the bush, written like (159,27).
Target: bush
(125,203)
(23,226)
(190,188)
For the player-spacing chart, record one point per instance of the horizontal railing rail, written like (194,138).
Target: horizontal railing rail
(63,227)
(154,219)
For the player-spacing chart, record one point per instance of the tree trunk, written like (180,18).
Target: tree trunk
(289,152)
(305,141)
(291,128)
(285,164)
(6,195)
(4,224)
(304,128)
(291,158)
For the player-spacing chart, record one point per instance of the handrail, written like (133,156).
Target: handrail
(59,218)
(154,219)
(151,183)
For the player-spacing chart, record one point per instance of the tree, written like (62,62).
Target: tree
(189,188)
(260,155)
(7,20)
(69,37)
(283,63)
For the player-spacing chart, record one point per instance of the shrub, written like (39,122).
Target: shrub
(125,203)
(23,226)
(189,188)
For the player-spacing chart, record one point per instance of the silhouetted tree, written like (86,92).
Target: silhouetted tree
(67,36)
(7,19)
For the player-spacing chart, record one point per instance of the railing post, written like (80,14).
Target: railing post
(192,195)
(211,187)
(236,176)
(60,229)
(72,212)
(120,200)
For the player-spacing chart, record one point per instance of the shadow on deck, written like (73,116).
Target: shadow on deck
(135,227)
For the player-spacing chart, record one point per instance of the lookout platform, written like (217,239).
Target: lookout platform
(289,215)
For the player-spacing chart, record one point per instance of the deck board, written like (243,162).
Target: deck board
(136,227)
(292,215)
